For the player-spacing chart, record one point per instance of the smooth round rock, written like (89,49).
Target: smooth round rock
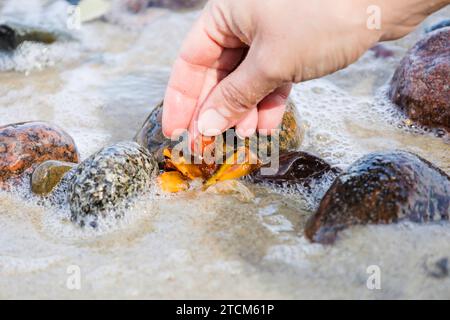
(296,168)
(420,85)
(151,136)
(382,188)
(23,146)
(108,179)
(47,175)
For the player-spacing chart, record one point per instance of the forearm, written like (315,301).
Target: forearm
(399,17)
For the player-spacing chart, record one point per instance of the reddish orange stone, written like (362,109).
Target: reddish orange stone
(25,145)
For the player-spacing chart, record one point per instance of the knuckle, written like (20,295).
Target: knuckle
(270,72)
(270,68)
(236,99)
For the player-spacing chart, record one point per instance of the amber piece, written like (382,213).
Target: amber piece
(240,164)
(189,170)
(172,181)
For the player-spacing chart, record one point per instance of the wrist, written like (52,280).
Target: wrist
(400,17)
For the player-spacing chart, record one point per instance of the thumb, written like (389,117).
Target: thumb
(233,98)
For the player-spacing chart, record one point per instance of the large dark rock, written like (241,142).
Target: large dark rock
(23,146)
(109,179)
(382,188)
(420,86)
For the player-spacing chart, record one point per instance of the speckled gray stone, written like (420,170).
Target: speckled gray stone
(108,179)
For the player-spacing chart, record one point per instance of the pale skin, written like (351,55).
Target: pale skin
(237,65)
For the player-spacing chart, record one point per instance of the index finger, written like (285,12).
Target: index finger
(198,54)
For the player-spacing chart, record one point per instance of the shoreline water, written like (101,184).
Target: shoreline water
(102,87)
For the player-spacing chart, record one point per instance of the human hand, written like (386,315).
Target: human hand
(237,65)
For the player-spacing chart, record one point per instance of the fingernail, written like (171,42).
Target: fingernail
(243,134)
(239,135)
(211,123)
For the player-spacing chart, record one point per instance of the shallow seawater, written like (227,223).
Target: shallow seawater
(102,85)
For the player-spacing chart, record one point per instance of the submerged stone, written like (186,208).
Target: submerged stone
(48,174)
(296,168)
(441,24)
(13,34)
(382,188)
(437,269)
(7,38)
(420,85)
(25,145)
(109,179)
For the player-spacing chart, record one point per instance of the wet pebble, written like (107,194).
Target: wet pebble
(420,85)
(7,38)
(14,34)
(47,175)
(108,180)
(23,146)
(296,168)
(382,188)
(441,24)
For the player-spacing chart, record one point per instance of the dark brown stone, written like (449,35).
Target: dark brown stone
(25,145)
(151,136)
(296,168)
(382,188)
(420,86)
